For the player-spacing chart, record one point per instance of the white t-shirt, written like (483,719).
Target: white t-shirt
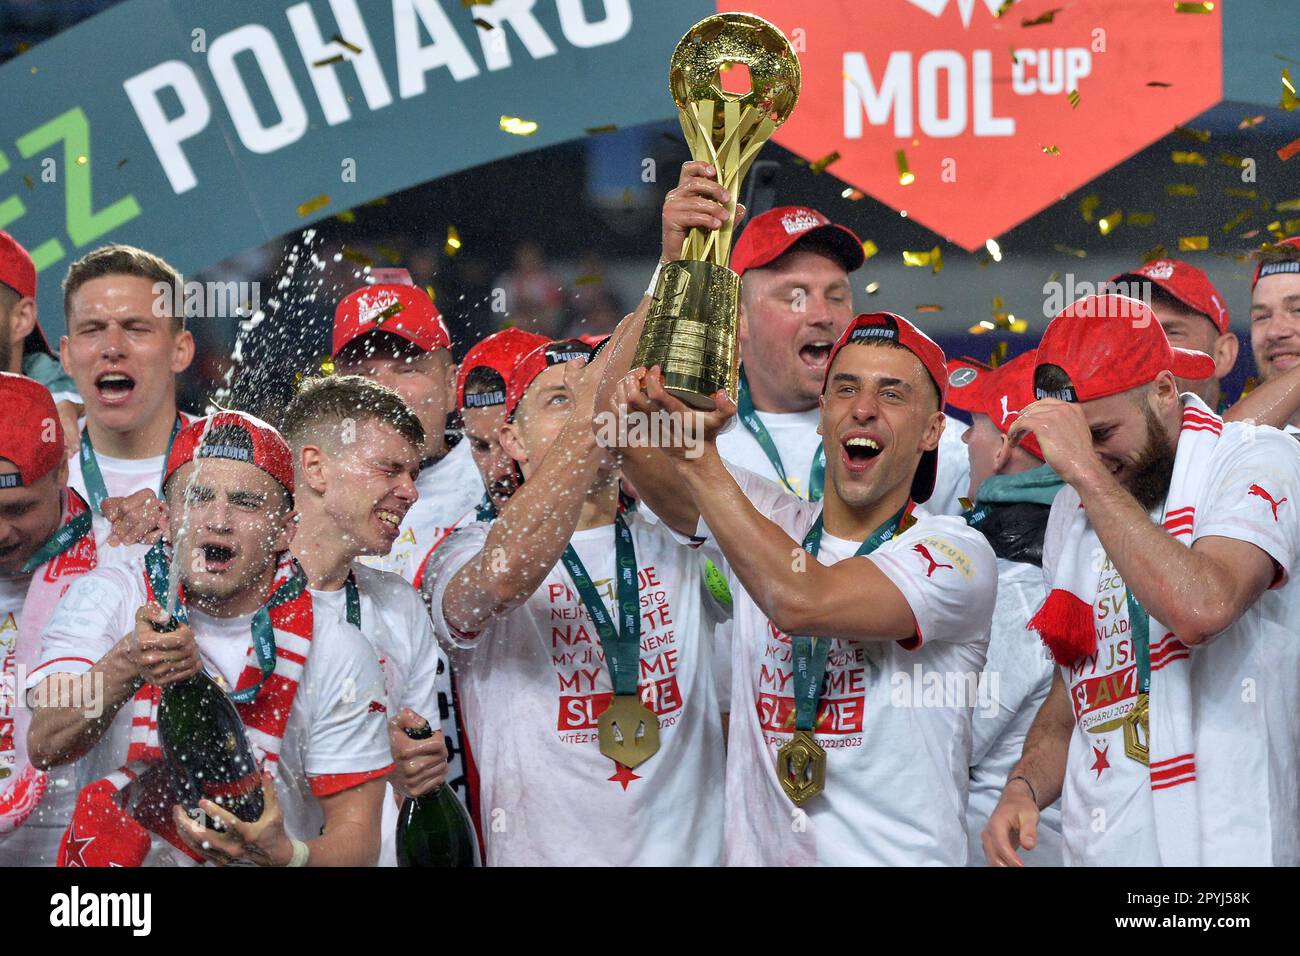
(448,489)
(793,433)
(1245,682)
(1018,675)
(897,750)
(1291,429)
(952,477)
(533,683)
(122,477)
(337,724)
(395,622)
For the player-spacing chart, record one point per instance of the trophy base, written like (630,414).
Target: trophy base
(690,332)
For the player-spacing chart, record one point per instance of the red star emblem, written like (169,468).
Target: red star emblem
(76,849)
(623,775)
(1101,763)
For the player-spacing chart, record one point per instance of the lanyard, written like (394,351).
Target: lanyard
(754,425)
(485,510)
(353,598)
(1139,622)
(96,490)
(622,647)
(810,652)
(263,632)
(60,541)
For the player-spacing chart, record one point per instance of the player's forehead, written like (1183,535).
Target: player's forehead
(483,423)
(118,297)
(221,476)
(550,381)
(865,363)
(1281,287)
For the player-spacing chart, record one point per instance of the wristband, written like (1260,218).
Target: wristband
(1032,792)
(654,280)
(301,853)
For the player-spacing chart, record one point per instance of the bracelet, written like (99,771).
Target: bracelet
(301,853)
(654,280)
(1032,792)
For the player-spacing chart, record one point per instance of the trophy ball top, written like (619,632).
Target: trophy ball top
(736,38)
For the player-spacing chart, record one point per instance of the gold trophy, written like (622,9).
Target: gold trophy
(690,332)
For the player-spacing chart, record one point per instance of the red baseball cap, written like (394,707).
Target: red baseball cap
(888,327)
(1186,283)
(1000,393)
(538,361)
(25,435)
(1107,344)
(404,310)
(769,235)
(235,436)
(18,272)
(500,352)
(1269,268)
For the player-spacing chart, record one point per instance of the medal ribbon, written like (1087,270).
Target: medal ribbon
(748,416)
(622,647)
(1139,622)
(60,541)
(96,490)
(262,632)
(810,652)
(353,598)
(485,510)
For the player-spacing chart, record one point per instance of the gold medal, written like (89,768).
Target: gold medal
(1137,731)
(801,767)
(628,731)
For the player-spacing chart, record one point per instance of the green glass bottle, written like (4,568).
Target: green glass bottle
(434,830)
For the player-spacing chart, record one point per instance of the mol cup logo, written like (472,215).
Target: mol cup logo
(980,104)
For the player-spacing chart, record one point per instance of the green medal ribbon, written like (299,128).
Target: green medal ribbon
(810,652)
(96,490)
(353,599)
(622,647)
(61,540)
(156,566)
(486,510)
(1139,622)
(748,416)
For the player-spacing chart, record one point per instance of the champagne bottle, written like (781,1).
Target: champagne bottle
(434,830)
(203,740)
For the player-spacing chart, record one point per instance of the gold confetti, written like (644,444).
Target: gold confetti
(1200,135)
(1288,205)
(347,215)
(1237,220)
(981,328)
(452,244)
(1289,99)
(433,295)
(929,307)
(1052,150)
(1193,243)
(29,182)
(1154,253)
(1108,224)
(378,201)
(122,162)
(1067,251)
(1181,189)
(597,130)
(1202,7)
(1159,83)
(872,288)
(22,46)
(1237,193)
(360,258)
(933,259)
(330,60)
(1088,205)
(1275,230)
(336,38)
(1230,160)
(483,24)
(905,176)
(1291,227)
(999,355)
(311,205)
(869,248)
(82,160)
(588,280)
(327,365)
(1042,18)
(1073,97)
(820,165)
(1140,218)
(852,194)
(389,312)
(1006,5)
(516,126)
(1182,158)
(1289,150)
(1251,121)
(1249,385)
(1015,57)
(627,198)
(994,250)
(391,254)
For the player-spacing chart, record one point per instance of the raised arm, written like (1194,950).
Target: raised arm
(1269,403)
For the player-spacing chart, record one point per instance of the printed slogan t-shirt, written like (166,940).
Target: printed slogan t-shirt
(533,684)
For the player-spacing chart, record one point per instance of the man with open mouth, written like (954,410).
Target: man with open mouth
(841,751)
(124,348)
(307,686)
